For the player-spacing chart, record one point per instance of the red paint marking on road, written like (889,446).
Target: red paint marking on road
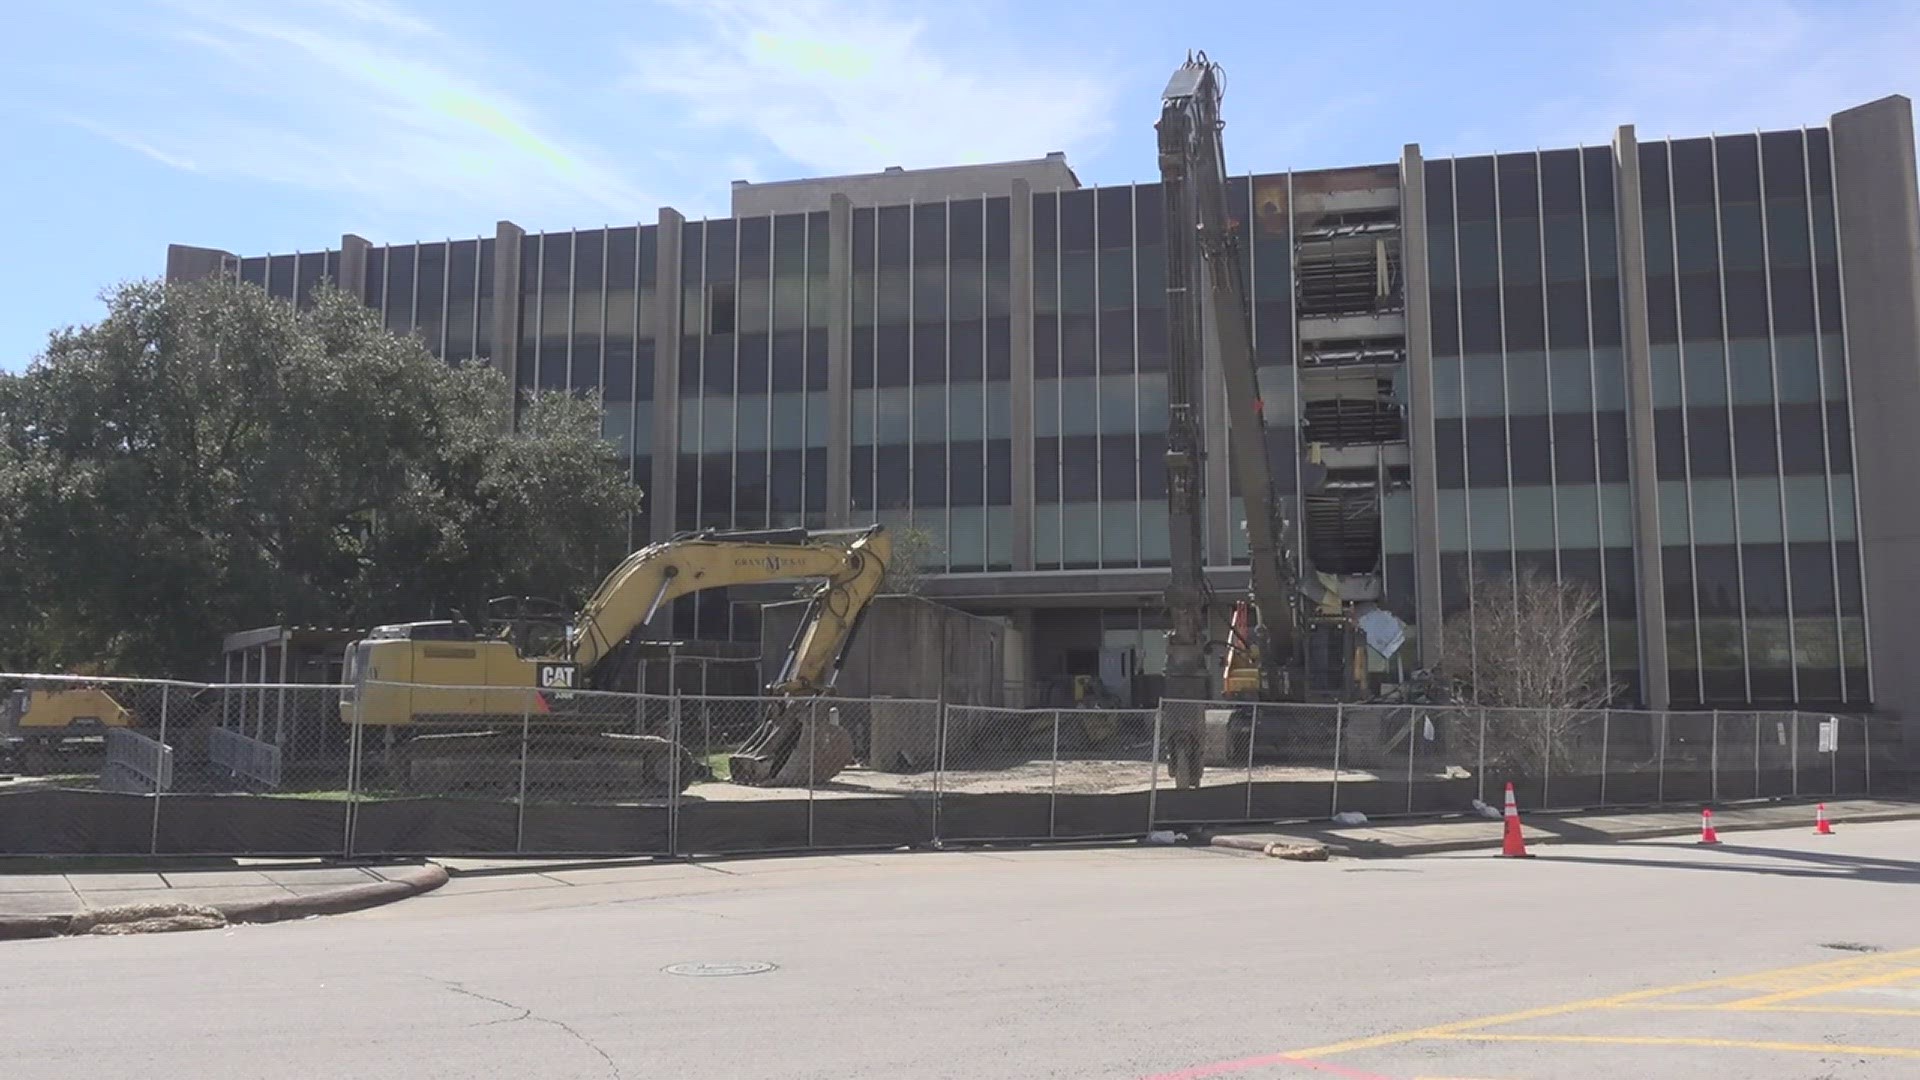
(1265,1061)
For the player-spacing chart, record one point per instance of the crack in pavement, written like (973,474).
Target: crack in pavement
(526,1013)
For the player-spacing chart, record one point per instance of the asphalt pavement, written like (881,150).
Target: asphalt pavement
(1775,954)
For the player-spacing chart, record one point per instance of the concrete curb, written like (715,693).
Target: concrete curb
(1373,849)
(1291,851)
(404,883)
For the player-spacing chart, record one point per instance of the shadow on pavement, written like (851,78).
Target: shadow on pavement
(1816,864)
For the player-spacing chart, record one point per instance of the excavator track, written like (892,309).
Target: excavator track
(565,763)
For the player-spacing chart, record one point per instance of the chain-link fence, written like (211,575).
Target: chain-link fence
(1272,761)
(113,766)
(1045,773)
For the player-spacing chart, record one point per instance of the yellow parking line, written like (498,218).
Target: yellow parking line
(1818,990)
(1837,1010)
(1684,1040)
(1826,968)
(1838,971)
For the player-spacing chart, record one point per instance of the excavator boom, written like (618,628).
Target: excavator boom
(851,563)
(1201,232)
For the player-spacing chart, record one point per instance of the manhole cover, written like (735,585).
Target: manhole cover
(734,967)
(1852,946)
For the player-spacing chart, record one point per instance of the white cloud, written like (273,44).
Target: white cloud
(135,143)
(841,86)
(357,99)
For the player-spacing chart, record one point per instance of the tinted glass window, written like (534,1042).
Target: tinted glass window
(281,281)
(400,282)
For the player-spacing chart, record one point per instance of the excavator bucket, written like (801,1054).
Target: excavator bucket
(799,744)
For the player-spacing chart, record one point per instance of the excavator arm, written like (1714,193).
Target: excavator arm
(793,745)
(849,563)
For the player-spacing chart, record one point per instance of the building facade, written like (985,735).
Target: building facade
(1684,371)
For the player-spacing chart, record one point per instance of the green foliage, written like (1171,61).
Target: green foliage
(915,548)
(206,459)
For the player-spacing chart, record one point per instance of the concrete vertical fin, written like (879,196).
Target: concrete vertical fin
(351,271)
(1879,237)
(507,238)
(1020,389)
(1643,480)
(839,361)
(1420,430)
(662,495)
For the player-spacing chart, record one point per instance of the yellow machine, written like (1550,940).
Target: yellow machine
(1240,673)
(60,713)
(40,725)
(446,674)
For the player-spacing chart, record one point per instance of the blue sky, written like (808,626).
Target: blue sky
(277,125)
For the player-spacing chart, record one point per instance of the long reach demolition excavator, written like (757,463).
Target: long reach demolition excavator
(1262,654)
(454,694)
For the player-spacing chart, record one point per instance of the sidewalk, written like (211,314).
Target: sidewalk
(1464,833)
(46,904)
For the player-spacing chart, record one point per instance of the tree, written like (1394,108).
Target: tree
(206,458)
(915,548)
(1529,650)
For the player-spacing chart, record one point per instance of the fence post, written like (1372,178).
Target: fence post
(1713,760)
(1606,758)
(940,761)
(159,771)
(1793,750)
(1053,781)
(1253,731)
(520,811)
(813,730)
(1866,735)
(1833,759)
(1339,723)
(673,787)
(347,823)
(1756,755)
(1546,761)
(1413,738)
(1153,775)
(1480,769)
(1660,773)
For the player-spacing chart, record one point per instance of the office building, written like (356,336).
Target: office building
(1684,370)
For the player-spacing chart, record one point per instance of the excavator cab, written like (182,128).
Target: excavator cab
(535,625)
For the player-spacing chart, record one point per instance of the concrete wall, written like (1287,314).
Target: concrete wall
(895,186)
(1874,191)
(906,647)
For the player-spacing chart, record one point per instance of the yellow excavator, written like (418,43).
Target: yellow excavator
(40,724)
(457,696)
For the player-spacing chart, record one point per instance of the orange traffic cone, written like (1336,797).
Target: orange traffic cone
(1707,835)
(1514,844)
(1820,824)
